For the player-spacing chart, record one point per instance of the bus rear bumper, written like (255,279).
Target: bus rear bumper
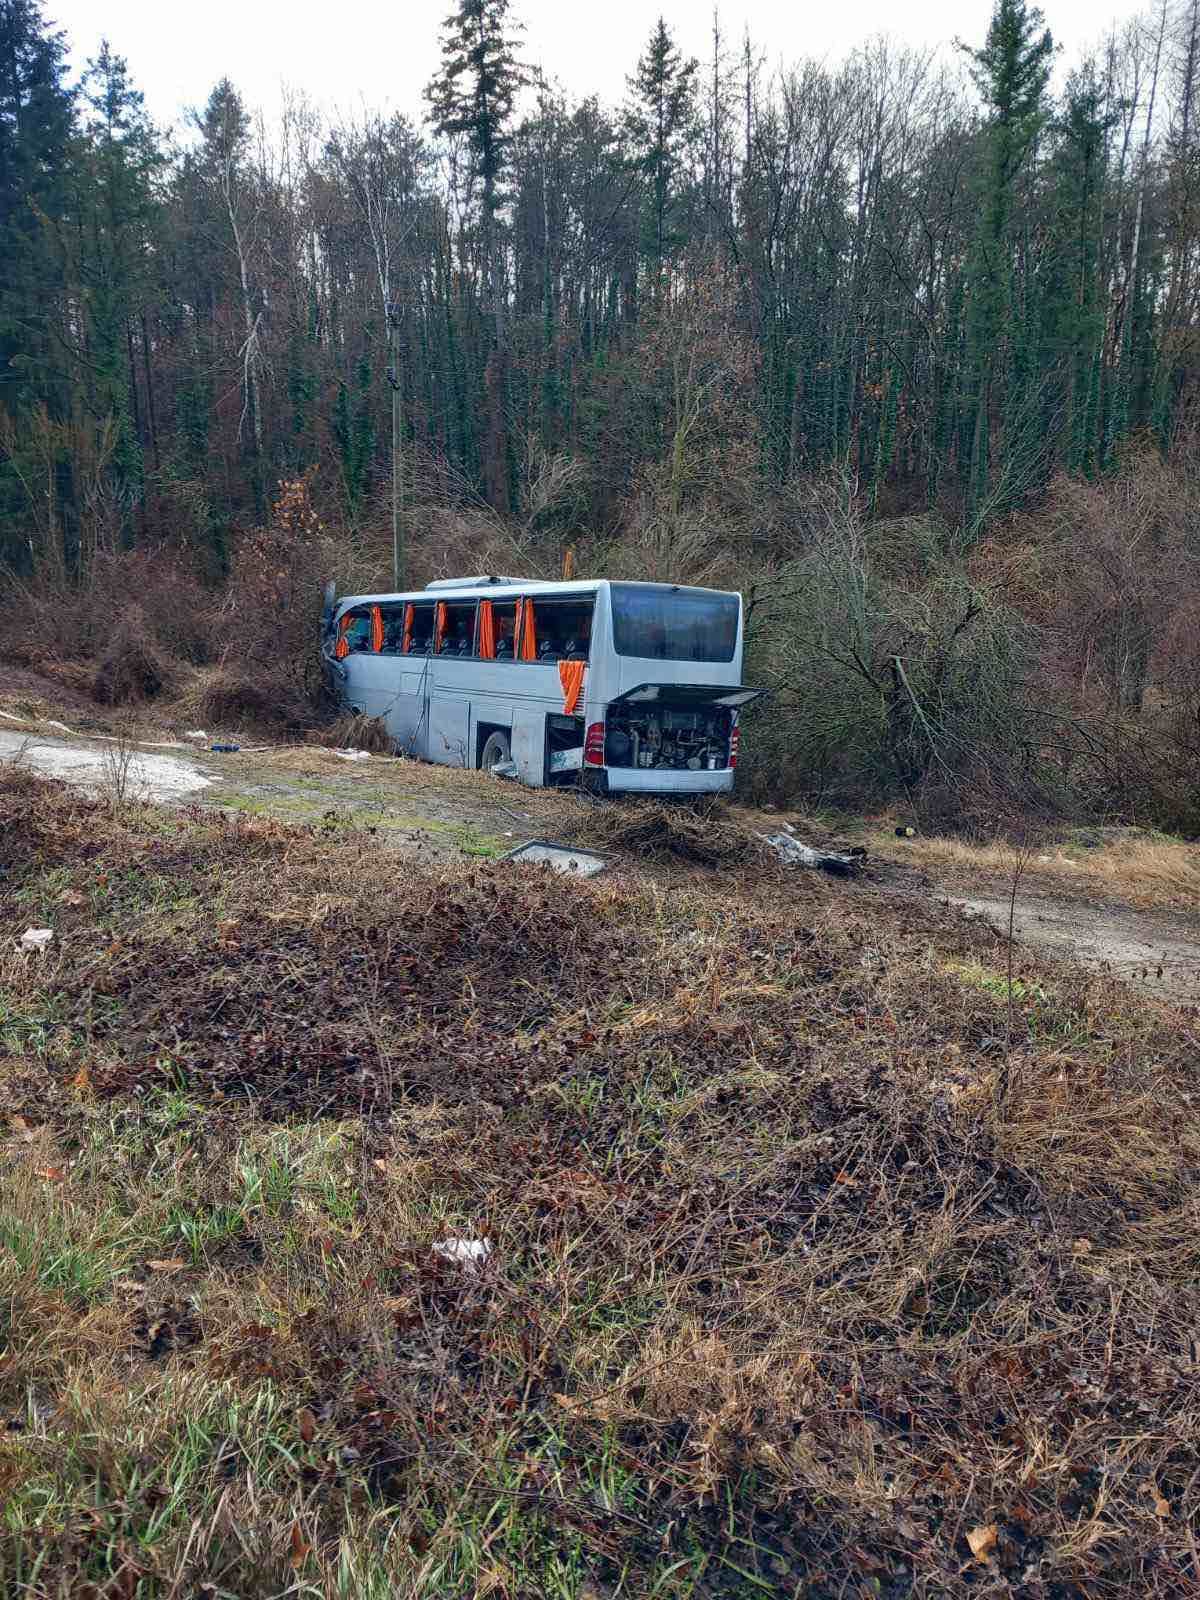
(656,780)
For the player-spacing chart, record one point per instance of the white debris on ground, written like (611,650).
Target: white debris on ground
(36,939)
(565,858)
(147,777)
(793,853)
(350,755)
(471,1253)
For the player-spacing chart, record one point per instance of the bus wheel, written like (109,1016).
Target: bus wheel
(495,750)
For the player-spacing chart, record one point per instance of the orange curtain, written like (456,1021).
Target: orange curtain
(342,648)
(487,631)
(528,630)
(377,629)
(439,625)
(570,675)
(406,646)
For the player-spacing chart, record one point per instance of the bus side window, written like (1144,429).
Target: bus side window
(354,631)
(457,637)
(393,630)
(420,640)
(563,630)
(504,631)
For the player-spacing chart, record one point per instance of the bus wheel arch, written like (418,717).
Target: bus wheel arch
(494,746)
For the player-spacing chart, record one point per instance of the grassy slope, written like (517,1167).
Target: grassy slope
(786,1297)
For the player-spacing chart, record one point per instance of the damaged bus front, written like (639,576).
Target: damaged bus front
(625,686)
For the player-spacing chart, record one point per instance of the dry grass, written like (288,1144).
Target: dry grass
(1143,870)
(781,1300)
(356,733)
(232,698)
(130,672)
(702,833)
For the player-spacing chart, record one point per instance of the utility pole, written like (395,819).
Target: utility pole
(393,377)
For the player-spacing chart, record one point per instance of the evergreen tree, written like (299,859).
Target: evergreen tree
(1074,311)
(36,126)
(235,208)
(472,97)
(116,213)
(1011,72)
(660,117)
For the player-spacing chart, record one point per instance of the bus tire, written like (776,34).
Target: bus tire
(495,750)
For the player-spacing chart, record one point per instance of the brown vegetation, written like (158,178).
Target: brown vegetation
(781,1296)
(703,833)
(1048,671)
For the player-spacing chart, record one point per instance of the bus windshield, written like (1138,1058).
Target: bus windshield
(674,624)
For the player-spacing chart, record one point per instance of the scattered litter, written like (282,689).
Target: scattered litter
(36,938)
(505,769)
(197,733)
(795,854)
(351,755)
(560,857)
(49,722)
(467,1252)
(224,749)
(906,833)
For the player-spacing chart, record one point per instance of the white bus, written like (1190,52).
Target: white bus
(625,686)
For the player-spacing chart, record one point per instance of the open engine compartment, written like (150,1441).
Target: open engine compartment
(683,738)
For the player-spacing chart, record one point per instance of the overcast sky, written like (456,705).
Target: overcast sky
(355,50)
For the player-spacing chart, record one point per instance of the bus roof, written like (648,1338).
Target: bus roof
(518,587)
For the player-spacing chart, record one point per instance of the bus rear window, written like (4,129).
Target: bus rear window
(674,624)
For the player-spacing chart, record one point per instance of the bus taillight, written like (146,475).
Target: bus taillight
(593,746)
(734,736)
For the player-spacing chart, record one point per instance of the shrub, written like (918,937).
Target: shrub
(130,671)
(883,689)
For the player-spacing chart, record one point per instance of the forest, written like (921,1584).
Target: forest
(903,346)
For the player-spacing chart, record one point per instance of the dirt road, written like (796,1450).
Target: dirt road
(439,812)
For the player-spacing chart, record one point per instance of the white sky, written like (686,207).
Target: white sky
(355,51)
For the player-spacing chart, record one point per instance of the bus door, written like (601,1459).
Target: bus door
(405,658)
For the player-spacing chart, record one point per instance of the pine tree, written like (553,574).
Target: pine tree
(221,165)
(659,118)
(36,127)
(472,97)
(1074,321)
(116,222)
(1011,72)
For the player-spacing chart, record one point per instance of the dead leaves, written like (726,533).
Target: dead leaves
(982,1541)
(301,1549)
